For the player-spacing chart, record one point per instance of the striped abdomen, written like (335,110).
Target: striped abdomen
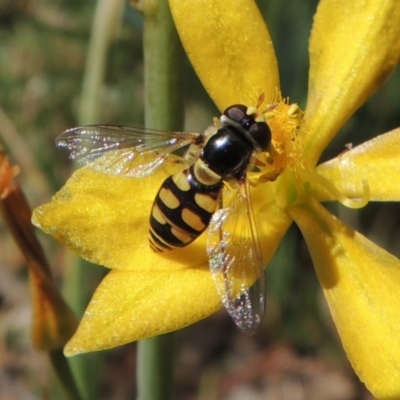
(183,207)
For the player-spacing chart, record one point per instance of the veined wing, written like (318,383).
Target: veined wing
(119,150)
(236,261)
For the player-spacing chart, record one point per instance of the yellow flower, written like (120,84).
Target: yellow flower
(353,49)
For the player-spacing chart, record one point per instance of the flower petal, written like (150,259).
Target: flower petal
(377,162)
(354,47)
(106,219)
(361,283)
(272,222)
(131,305)
(229,47)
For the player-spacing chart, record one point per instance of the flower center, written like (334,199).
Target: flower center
(284,120)
(284,163)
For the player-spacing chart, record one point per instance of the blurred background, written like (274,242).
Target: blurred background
(296,354)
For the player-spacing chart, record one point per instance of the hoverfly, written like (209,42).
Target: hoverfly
(191,200)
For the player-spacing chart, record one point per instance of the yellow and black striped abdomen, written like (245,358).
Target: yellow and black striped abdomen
(182,210)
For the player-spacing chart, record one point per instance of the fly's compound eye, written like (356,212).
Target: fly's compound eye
(259,131)
(237,113)
(261,134)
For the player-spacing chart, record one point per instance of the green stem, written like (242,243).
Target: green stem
(163,70)
(63,371)
(163,66)
(106,20)
(81,275)
(87,368)
(155,367)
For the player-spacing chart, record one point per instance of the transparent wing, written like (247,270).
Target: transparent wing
(119,150)
(236,261)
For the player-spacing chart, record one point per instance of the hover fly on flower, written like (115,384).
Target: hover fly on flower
(188,202)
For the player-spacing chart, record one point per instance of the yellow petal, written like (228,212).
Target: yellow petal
(106,220)
(130,305)
(377,162)
(133,305)
(272,222)
(361,283)
(229,47)
(354,48)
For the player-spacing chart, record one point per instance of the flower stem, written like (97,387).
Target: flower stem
(64,373)
(163,69)
(80,274)
(155,372)
(107,20)
(163,65)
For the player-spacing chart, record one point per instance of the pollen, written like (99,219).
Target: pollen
(284,160)
(284,120)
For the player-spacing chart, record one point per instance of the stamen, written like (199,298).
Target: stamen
(340,197)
